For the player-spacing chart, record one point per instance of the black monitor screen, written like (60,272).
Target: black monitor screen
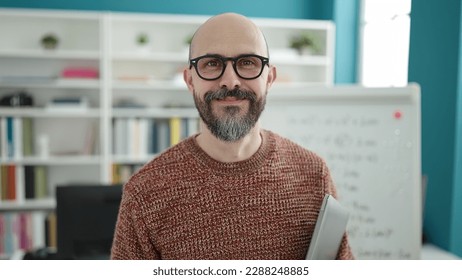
(86,217)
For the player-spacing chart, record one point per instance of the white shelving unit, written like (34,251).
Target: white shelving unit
(150,79)
(26,66)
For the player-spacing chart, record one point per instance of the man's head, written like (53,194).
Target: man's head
(229,74)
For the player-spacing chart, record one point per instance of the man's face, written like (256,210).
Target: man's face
(230,106)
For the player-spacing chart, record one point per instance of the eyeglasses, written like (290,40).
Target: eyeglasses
(211,67)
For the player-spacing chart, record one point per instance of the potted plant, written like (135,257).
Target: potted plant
(142,40)
(49,41)
(303,43)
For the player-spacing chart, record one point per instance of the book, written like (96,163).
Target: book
(80,72)
(3,138)
(120,136)
(20,188)
(68,103)
(4,182)
(152,137)
(40,180)
(163,135)
(38,229)
(175,130)
(9,240)
(17,138)
(133,137)
(9,137)
(51,230)
(143,126)
(29,181)
(27,137)
(11,182)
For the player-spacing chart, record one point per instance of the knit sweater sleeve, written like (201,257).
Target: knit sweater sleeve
(131,237)
(344,252)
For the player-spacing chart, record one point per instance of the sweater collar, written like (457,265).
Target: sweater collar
(254,163)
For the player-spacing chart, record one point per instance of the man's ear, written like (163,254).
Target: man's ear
(272,74)
(187,77)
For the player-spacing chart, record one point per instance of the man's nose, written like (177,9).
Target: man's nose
(230,79)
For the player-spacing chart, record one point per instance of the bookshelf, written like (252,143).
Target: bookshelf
(136,103)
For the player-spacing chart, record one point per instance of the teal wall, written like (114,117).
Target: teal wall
(435,63)
(346,16)
(456,230)
(254,8)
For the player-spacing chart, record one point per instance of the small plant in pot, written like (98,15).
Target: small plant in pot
(303,43)
(49,41)
(142,40)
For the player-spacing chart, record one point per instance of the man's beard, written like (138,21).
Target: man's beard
(231,126)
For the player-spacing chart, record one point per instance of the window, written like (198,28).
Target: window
(385,30)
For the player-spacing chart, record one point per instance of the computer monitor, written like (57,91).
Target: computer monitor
(86,218)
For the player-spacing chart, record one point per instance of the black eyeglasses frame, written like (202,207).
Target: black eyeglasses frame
(264,60)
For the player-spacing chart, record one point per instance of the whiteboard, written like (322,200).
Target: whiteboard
(370,140)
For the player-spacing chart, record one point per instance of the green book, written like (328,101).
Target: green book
(27,134)
(40,182)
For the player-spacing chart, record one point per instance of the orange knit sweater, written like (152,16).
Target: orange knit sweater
(185,205)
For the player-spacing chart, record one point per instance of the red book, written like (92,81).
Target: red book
(11,182)
(87,73)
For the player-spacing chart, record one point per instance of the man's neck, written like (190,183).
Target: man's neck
(224,151)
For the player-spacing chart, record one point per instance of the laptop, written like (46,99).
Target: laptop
(328,231)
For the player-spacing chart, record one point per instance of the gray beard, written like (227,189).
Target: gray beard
(232,126)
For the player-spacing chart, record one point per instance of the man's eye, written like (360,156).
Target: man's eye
(247,63)
(212,63)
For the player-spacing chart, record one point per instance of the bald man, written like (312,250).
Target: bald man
(234,190)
